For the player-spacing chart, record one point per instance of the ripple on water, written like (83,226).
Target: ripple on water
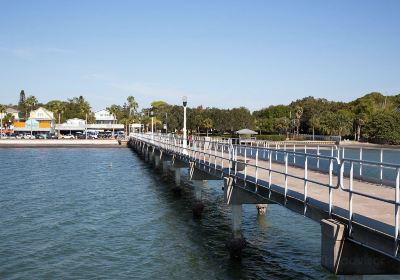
(67,213)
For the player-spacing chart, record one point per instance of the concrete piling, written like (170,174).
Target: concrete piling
(261,209)
(198,205)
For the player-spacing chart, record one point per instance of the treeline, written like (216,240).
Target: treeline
(373,117)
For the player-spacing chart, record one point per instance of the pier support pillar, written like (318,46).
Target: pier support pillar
(237,242)
(198,205)
(341,256)
(165,167)
(261,209)
(177,176)
(177,190)
(156,162)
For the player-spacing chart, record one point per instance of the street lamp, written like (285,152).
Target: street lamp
(184,101)
(152,123)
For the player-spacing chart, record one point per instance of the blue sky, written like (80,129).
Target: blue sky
(218,53)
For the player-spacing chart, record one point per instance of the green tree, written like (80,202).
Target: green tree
(207,124)
(314,123)
(30,103)
(2,114)
(22,105)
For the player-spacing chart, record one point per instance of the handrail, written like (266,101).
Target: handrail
(198,151)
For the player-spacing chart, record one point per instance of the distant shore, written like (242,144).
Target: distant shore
(60,143)
(355,144)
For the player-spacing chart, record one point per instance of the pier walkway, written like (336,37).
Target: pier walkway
(359,214)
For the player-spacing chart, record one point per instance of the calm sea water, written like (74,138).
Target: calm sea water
(103,214)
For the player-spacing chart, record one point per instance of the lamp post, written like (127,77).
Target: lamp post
(166,123)
(184,101)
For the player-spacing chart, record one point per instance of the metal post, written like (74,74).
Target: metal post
(351,198)
(256,169)
(397,213)
(361,155)
(184,122)
(381,159)
(286,175)
(330,186)
(305,184)
(294,153)
(318,156)
(270,172)
(245,164)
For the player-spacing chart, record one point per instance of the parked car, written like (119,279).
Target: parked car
(67,136)
(92,136)
(52,136)
(41,136)
(29,137)
(80,135)
(12,136)
(19,136)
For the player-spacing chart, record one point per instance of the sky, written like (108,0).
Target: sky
(217,53)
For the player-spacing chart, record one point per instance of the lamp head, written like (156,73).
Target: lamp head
(184,101)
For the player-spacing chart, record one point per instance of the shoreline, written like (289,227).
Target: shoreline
(354,144)
(60,143)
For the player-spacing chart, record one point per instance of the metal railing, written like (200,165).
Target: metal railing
(231,159)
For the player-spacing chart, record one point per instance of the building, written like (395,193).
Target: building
(105,121)
(40,120)
(71,126)
(104,117)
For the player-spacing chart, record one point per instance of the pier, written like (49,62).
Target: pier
(358,214)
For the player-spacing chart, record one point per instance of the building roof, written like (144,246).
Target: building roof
(47,115)
(246,131)
(10,110)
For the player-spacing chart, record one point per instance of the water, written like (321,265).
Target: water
(103,214)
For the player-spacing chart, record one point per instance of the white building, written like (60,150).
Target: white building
(11,111)
(71,125)
(105,121)
(104,117)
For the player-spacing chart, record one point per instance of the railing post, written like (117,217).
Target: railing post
(245,164)
(286,176)
(397,213)
(361,155)
(294,153)
(257,170)
(330,186)
(229,162)
(305,184)
(270,172)
(351,198)
(381,171)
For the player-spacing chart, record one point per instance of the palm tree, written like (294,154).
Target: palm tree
(85,108)
(2,112)
(132,104)
(314,122)
(31,103)
(114,110)
(299,113)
